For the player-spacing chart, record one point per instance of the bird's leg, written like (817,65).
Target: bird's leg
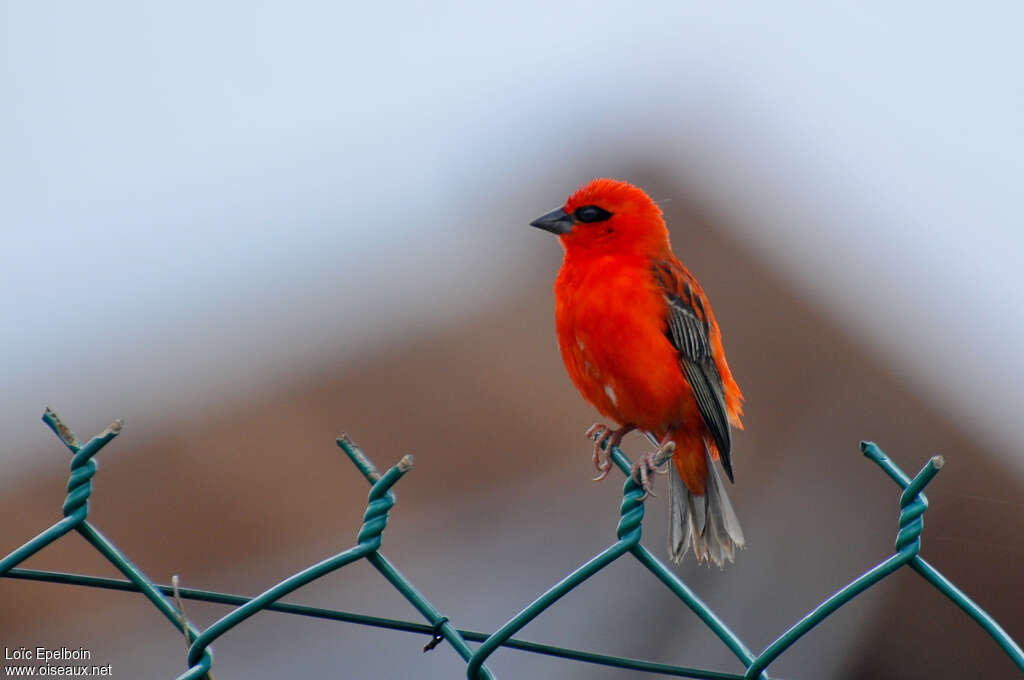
(648,464)
(602,434)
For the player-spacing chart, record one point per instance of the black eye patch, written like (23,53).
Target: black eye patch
(591,213)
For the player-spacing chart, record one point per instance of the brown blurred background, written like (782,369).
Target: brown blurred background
(262,312)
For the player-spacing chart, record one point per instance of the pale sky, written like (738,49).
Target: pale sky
(199,198)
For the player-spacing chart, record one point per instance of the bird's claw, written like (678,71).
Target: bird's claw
(607,438)
(643,469)
(602,460)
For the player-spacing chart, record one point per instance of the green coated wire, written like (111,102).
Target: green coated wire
(629,534)
(859,585)
(79,487)
(932,575)
(76,509)
(913,505)
(439,623)
(379,504)
(968,605)
(371,621)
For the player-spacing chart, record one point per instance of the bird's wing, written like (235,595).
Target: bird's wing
(688,327)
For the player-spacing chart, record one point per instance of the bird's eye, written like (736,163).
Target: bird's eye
(591,213)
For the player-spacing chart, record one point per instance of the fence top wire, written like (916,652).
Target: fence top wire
(381,500)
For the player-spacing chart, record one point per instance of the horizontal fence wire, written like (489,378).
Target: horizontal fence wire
(438,628)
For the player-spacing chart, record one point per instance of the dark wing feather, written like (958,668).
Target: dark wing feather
(687,329)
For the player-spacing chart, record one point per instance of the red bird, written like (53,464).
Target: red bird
(641,344)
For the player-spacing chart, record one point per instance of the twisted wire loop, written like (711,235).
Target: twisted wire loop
(631,514)
(83,467)
(370,535)
(375,519)
(628,531)
(76,509)
(380,502)
(908,543)
(76,505)
(631,511)
(913,503)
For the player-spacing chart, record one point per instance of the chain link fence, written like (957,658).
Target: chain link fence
(438,628)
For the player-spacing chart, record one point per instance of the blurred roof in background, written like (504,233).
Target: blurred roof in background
(248,228)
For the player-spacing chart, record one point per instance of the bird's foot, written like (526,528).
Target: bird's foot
(650,464)
(602,434)
(602,461)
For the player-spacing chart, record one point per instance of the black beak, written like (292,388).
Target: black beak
(557,222)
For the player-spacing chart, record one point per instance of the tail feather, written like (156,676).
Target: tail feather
(710,527)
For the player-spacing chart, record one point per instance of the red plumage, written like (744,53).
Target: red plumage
(641,344)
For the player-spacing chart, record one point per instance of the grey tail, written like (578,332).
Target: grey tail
(707,523)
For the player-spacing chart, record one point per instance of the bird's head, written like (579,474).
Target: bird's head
(608,216)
